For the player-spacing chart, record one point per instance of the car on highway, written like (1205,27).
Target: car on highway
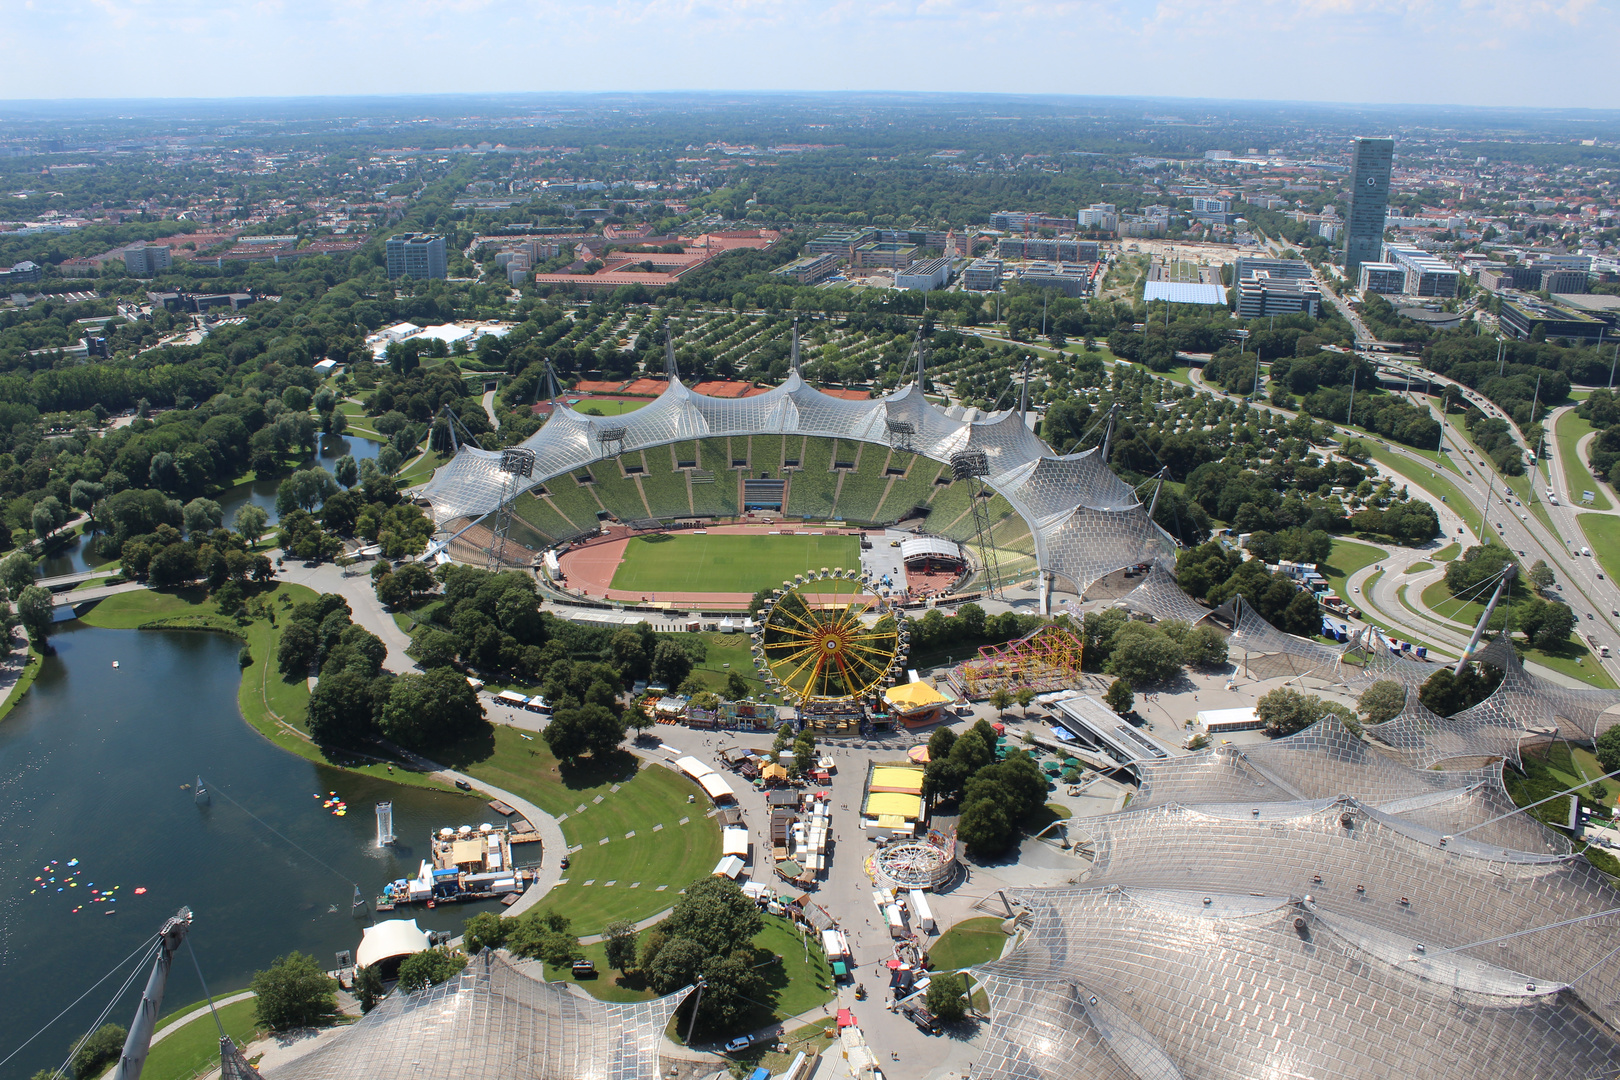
(1588,614)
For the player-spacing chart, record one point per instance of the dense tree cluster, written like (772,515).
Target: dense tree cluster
(994,796)
(1284,711)
(1141,653)
(1446,694)
(1215,573)
(294,992)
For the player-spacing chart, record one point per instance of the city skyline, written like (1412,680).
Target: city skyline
(1558,52)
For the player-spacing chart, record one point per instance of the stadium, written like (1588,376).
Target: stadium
(750,491)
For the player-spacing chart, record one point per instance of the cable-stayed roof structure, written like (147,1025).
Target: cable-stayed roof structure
(494,1020)
(1085,521)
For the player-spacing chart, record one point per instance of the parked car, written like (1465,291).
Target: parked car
(741,1042)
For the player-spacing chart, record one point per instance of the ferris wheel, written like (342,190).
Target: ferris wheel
(818,642)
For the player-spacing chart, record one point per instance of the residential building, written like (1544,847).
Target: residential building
(1101,216)
(416,255)
(1073,278)
(1019,220)
(1051,250)
(1212,204)
(812,268)
(982,275)
(1247,266)
(1370,167)
(1261,295)
(144,260)
(1384,278)
(1426,275)
(923,276)
(23,273)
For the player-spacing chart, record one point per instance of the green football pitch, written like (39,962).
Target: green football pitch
(728,563)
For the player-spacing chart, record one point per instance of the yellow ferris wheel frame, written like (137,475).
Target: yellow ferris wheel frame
(814,652)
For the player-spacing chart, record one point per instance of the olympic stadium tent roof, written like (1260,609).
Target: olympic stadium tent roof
(494,1020)
(1085,521)
(1182,292)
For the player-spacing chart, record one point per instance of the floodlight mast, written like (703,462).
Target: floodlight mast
(971,467)
(517,462)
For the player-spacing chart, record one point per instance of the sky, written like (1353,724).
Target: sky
(1538,53)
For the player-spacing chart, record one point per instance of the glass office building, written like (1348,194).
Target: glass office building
(1369,200)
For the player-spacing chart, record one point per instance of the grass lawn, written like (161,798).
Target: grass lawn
(24,681)
(1447,553)
(677,562)
(1602,534)
(798,979)
(673,856)
(1429,480)
(1573,765)
(359,422)
(1348,557)
(421,470)
(607,406)
(970,942)
(1419,567)
(732,650)
(1569,431)
(194,1049)
(1570,658)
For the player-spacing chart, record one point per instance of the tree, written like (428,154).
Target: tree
(1000,699)
(251,521)
(1608,749)
(100,1050)
(293,992)
(16,573)
(715,913)
(433,708)
(368,987)
(736,686)
(677,963)
(305,490)
(486,930)
(342,710)
(1205,647)
(1541,575)
(1383,700)
(544,935)
(1445,694)
(430,967)
(670,664)
(1024,695)
(985,827)
(1285,711)
(35,612)
(346,471)
(578,730)
(1557,623)
(804,753)
(1144,657)
(940,743)
(434,648)
(202,516)
(1120,697)
(620,940)
(944,996)
(295,655)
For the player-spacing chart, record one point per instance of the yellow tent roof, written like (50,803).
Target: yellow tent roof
(773,772)
(914,695)
(893,778)
(893,802)
(890,821)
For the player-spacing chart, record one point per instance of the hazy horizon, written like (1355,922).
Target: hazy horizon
(1545,54)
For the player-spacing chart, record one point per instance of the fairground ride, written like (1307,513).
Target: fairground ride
(817,651)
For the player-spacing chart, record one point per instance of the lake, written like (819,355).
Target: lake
(72,558)
(96,765)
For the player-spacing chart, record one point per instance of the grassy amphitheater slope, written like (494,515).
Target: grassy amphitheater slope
(720,497)
(913,489)
(862,490)
(619,494)
(573,500)
(665,488)
(948,507)
(543,517)
(765,453)
(810,495)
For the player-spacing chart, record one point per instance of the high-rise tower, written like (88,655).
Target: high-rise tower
(1369,200)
